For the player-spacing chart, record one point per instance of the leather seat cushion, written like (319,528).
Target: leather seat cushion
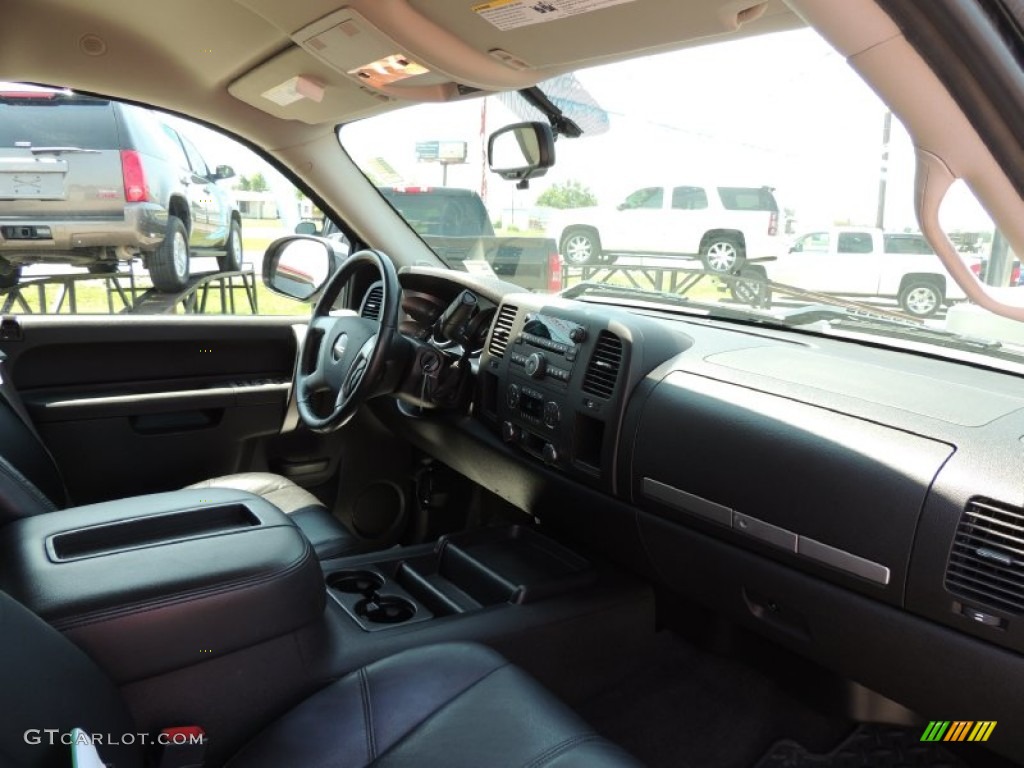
(449,705)
(327,534)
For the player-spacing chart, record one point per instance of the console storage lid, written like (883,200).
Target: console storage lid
(154,583)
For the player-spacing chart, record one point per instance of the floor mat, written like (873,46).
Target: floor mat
(676,706)
(870,746)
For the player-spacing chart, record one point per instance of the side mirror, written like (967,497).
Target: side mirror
(224,172)
(522,151)
(298,266)
(307,227)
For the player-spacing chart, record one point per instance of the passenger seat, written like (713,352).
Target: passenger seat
(454,705)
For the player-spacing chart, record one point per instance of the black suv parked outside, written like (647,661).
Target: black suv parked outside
(92,182)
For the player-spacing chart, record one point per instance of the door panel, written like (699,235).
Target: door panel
(136,406)
(130,406)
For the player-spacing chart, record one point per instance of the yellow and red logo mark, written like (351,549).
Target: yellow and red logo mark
(958,730)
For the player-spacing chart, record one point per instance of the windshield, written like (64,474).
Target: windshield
(756,176)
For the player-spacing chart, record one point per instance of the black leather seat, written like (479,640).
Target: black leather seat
(31,484)
(445,705)
(326,533)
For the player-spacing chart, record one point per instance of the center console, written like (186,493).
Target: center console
(552,383)
(460,574)
(154,583)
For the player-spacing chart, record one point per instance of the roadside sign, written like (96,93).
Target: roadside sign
(452,151)
(428,150)
(448,152)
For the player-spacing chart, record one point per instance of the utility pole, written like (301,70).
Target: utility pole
(1000,266)
(884,173)
(483,150)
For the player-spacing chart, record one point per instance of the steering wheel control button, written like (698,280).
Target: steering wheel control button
(340,345)
(536,365)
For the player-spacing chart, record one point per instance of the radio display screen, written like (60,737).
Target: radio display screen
(547,327)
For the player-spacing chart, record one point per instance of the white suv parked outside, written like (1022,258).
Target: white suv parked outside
(721,225)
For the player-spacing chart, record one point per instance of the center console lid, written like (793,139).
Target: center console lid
(154,583)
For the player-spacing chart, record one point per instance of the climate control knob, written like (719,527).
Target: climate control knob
(549,453)
(535,366)
(510,432)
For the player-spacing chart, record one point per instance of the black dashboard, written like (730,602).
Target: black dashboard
(858,503)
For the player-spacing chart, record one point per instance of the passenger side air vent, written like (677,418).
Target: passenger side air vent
(603,369)
(986,563)
(502,330)
(372,302)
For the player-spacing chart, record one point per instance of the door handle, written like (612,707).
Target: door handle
(186,180)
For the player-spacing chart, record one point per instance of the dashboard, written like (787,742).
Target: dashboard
(859,504)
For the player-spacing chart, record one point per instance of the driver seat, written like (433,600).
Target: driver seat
(31,484)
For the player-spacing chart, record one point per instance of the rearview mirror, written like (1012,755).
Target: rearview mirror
(307,227)
(521,151)
(298,266)
(224,172)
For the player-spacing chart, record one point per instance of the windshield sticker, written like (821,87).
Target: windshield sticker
(511,14)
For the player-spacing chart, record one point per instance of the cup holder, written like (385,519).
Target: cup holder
(385,609)
(356,582)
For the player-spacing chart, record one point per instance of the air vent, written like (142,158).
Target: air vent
(603,369)
(372,301)
(987,561)
(502,330)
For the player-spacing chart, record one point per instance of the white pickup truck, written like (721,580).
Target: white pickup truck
(867,262)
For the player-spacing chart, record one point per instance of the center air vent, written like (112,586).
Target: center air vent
(986,563)
(372,302)
(502,330)
(603,369)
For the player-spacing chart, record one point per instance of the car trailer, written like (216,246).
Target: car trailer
(59,294)
(748,285)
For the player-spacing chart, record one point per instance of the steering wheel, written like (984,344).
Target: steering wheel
(344,357)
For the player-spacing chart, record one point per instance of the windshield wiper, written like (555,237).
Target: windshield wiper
(893,327)
(589,288)
(62,151)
